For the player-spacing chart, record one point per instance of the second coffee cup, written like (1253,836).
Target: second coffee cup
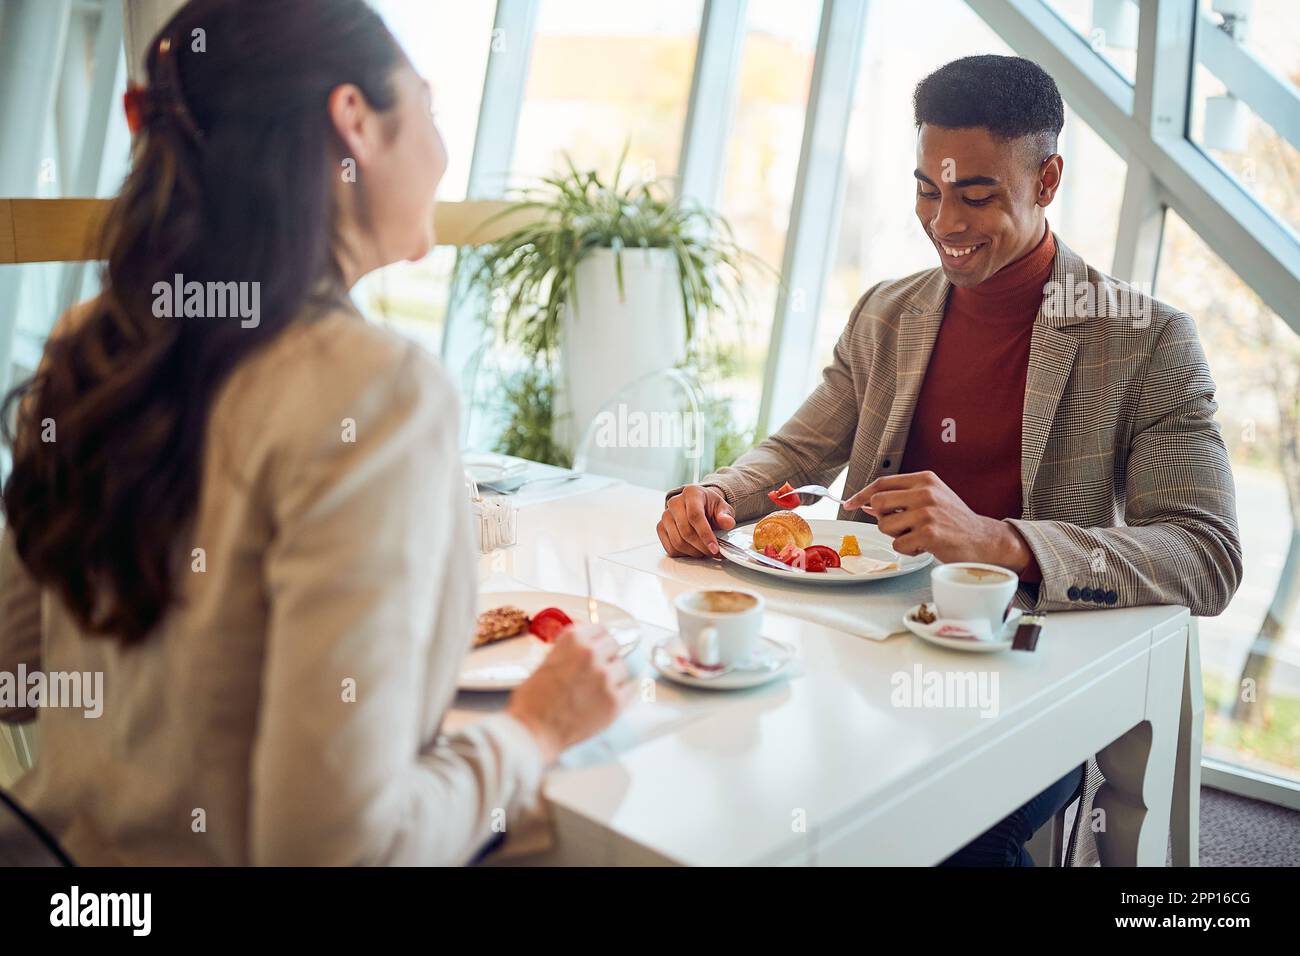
(719,627)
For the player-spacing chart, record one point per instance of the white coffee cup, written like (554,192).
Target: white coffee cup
(967,591)
(719,626)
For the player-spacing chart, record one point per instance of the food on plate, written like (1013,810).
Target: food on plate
(781,529)
(925,614)
(790,554)
(849,546)
(499,623)
(784,497)
(859,564)
(815,557)
(818,557)
(548,623)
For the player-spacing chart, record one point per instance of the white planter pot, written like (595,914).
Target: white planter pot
(608,341)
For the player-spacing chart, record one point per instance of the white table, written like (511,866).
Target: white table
(822,768)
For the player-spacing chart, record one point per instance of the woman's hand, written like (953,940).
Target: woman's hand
(577,692)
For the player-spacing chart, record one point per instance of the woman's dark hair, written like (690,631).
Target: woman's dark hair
(232,181)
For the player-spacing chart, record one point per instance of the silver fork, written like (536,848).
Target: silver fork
(819,491)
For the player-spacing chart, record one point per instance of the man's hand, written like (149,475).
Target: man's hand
(686,527)
(923,514)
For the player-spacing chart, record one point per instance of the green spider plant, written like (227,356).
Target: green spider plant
(530,273)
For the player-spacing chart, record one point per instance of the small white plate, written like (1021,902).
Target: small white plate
(504,665)
(775,657)
(1003,643)
(873,542)
(488,468)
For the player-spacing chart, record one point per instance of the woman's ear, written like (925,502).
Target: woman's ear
(353,120)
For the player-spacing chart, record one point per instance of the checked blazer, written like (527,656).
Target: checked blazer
(1127,491)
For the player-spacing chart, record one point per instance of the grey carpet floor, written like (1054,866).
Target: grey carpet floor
(1238,831)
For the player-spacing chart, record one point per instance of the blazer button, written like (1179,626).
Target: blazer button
(1099,596)
(1111,597)
(1072,594)
(885,463)
(1086,594)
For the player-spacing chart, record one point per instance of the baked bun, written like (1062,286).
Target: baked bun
(780,529)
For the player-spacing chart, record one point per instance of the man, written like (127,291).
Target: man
(1015,406)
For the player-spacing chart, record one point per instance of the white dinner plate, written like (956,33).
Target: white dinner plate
(873,542)
(926,633)
(504,665)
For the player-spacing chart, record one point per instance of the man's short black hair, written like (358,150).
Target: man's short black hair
(1009,96)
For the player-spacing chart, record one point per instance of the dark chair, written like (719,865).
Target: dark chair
(23,841)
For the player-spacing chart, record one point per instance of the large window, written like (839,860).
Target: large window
(449,44)
(605,76)
(762,163)
(1251,654)
(80,152)
(1248,66)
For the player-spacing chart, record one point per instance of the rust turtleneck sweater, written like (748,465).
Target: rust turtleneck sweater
(966,426)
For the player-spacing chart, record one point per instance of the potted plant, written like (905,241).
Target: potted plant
(606,282)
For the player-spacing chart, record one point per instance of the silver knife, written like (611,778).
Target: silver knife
(755,557)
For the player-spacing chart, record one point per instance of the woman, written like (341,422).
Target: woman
(255,525)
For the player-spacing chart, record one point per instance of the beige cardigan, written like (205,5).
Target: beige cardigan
(336,552)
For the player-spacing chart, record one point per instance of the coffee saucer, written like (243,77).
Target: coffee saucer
(771,660)
(931,632)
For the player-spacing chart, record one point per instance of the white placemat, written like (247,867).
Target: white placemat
(873,610)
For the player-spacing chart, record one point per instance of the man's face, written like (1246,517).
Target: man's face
(980,199)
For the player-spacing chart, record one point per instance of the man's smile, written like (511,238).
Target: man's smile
(961,256)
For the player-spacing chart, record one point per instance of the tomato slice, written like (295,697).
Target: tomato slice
(784,497)
(829,557)
(813,562)
(547,624)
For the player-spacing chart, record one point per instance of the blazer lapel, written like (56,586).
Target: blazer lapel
(1051,358)
(1052,351)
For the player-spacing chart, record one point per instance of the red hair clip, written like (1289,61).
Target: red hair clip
(133,102)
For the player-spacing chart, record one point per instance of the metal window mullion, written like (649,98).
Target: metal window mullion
(107,71)
(814,210)
(1141,228)
(1166,55)
(714,84)
(504,82)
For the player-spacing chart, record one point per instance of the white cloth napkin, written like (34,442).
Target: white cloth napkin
(874,609)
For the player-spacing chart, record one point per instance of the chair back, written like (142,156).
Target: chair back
(652,433)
